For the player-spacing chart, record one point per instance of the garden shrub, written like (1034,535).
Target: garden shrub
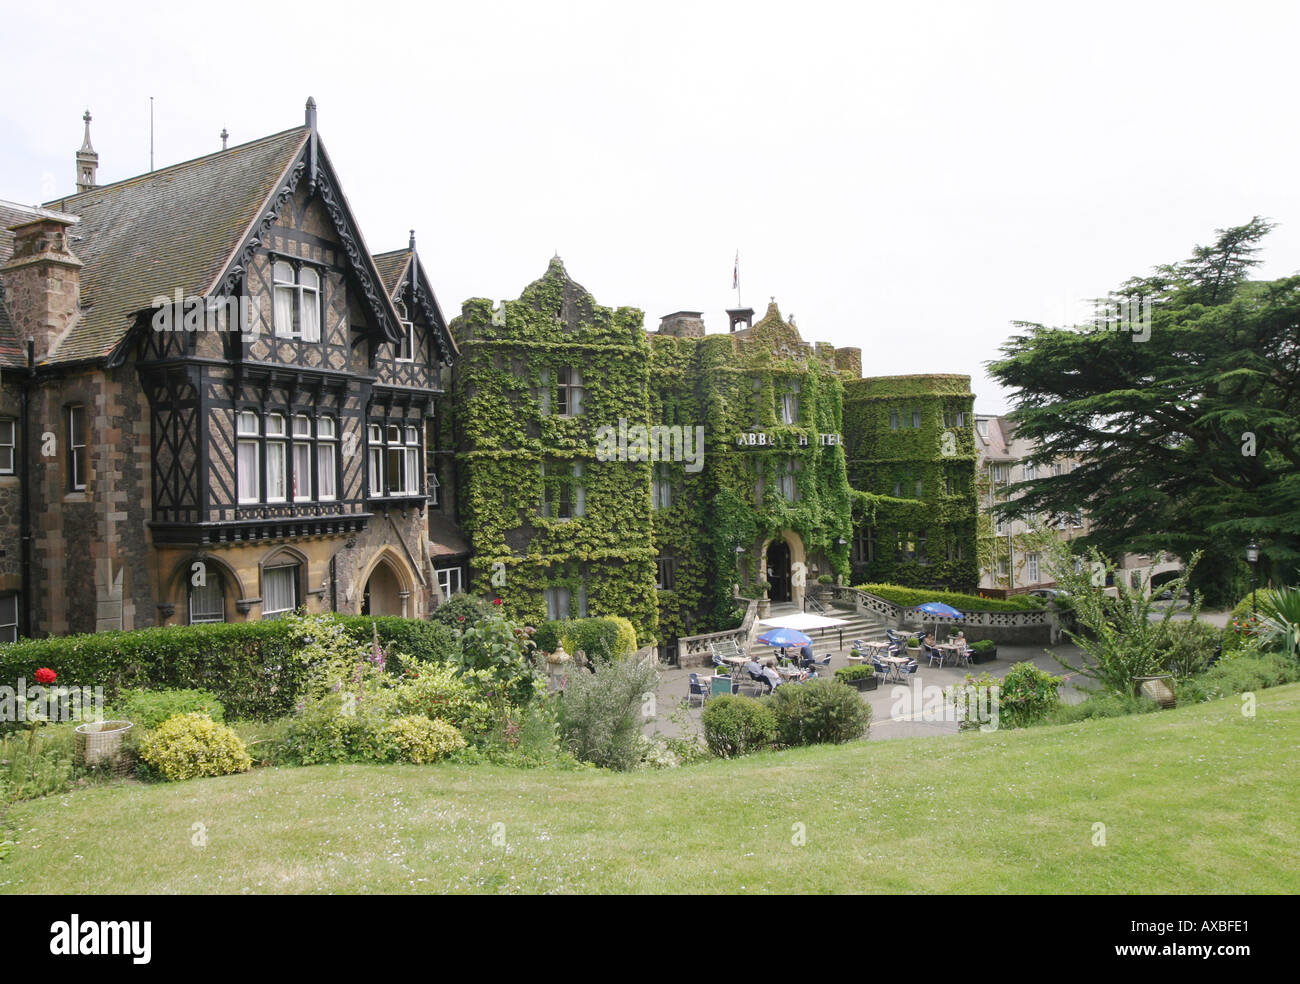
(548,636)
(1248,671)
(461,611)
(255,669)
(1028,694)
(735,725)
(147,709)
(439,691)
(1190,645)
(337,728)
(190,745)
(1241,626)
(984,646)
(37,767)
(911,597)
(859,672)
(417,739)
(602,638)
(818,712)
(601,713)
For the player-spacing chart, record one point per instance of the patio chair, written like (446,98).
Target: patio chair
(697,689)
(723,685)
(935,653)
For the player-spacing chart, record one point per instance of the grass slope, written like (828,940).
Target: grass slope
(1200,799)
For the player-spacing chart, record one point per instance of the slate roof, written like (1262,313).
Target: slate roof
(176,227)
(392,267)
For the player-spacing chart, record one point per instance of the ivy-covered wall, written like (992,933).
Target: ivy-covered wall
(511,367)
(914,458)
(637,521)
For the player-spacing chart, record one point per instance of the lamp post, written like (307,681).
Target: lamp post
(1252,558)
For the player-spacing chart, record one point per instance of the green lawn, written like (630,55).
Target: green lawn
(1199,799)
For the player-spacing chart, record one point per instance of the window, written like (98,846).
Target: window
(864,545)
(955,549)
(8,437)
(922,548)
(248,458)
(557,603)
(1031,567)
(279,590)
(998,473)
(1076,519)
(568,393)
(394,456)
(9,618)
(1004,567)
(449,581)
(667,573)
(404,351)
(563,494)
(326,459)
(982,428)
(954,418)
(76,448)
(1057,469)
(1031,471)
(789,489)
(208,601)
(949,484)
(893,420)
(375,450)
(790,404)
(916,418)
(661,489)
(276,479)
(920,488)
(301,457)
(297,301)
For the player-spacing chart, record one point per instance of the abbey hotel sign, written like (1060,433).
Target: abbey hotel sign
(758,439)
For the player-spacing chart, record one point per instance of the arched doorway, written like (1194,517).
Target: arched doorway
(383,594)
(778,570)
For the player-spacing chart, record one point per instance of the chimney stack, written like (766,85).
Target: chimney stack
(87,161)
(682,324)
(42,280)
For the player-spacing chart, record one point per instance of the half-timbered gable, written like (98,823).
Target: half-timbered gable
(270,391)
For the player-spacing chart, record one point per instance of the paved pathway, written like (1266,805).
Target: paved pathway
(897,711)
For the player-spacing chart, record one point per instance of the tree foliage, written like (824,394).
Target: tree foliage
(1190,439)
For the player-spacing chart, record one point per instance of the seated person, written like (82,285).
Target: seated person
(806,655)
(772,677)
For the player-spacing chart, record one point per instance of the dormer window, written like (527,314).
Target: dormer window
(297,301)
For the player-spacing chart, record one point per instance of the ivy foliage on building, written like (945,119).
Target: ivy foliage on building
(746,447)
(911,447)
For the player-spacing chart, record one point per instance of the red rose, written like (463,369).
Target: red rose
(496,601)
(46,675)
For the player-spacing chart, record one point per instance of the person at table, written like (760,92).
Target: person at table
(806,655)
(772,677)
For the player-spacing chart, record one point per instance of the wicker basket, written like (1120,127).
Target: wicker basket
(99,743)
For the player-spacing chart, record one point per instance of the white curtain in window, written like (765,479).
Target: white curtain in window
(309,316)
(325,469)
(580,492)
(301,471)
(249,477)
(275,485)
(575,393)
(279,589)
(413,471)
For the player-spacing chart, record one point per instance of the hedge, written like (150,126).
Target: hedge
(911,597)
(249,666)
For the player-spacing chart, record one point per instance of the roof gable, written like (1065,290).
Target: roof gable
(403,277)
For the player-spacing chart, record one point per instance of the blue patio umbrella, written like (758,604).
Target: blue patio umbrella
(939,609)
(785,638)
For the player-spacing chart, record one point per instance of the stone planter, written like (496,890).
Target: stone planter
(984,657)
(863,684)
(100,742)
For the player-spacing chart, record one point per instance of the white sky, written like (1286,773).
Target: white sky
(907,178)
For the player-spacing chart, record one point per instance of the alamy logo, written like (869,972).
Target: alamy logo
(100,939)
(1131,314)
(196,313)
(50,704)
(654,443)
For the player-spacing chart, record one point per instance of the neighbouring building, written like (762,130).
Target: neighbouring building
(215,403)
(1012,564)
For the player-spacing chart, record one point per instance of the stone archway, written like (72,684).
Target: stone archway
(384,592)
(789,563)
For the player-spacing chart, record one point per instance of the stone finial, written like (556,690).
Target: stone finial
(86,148)
(412,246)
(310,116)
(224,137)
